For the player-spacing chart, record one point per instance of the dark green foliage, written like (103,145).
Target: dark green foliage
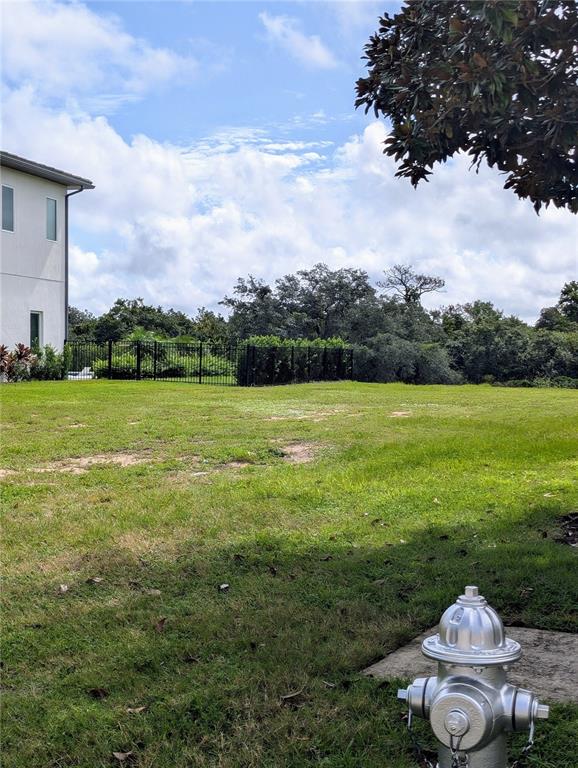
(132,318)
(395,337)
(564,316)
(312,303)
(49,364)
(494,79)
(388,358)
(267,360)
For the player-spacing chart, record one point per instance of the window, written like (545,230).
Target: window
(8,209)
(50,218)
(36,329)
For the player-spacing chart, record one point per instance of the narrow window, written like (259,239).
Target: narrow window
(50,218)
(8,209)
(35,329)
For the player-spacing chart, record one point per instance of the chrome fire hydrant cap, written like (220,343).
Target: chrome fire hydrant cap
(471,633)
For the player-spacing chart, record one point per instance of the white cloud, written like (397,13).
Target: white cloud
(179,225)
(67,51)
(307,49)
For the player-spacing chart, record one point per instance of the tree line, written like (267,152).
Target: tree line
(394,337)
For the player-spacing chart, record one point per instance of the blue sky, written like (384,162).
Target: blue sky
(222,140)
(246,77)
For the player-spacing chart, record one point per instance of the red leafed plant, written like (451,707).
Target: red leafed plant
(15,365)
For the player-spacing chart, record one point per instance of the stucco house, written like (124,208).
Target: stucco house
(34,251)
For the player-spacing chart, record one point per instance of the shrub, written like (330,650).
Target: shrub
(388,358)
(49,365)
(16,365)
(266,363)
(172,361)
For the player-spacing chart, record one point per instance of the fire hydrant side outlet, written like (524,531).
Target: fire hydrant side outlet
(469,703)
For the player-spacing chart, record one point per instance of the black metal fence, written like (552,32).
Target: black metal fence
(207,363)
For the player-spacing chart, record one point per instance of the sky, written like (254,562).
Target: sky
(223,141)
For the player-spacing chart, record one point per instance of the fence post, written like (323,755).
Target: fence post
(253,355)
(200,362)
(110,358)
(244,351)
(155,350)
(138,360)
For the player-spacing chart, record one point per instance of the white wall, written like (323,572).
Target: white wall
(32,270)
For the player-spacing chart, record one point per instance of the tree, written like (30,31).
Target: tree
(255,309)
(564,316)
(81,324)
(568,301)
(321,302)
(494,79)
(209,326)
(402,281)
(126,315)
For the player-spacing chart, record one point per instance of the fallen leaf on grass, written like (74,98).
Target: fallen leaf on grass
(63,589)
(325,558)
(223,587)
(94,580)
(293,699)
(135,710)
(122,756)
(160,625)
(153,592)
(328,684)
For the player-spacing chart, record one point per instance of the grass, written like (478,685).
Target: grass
(330,564)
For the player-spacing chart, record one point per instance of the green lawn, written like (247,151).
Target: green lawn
(331,562)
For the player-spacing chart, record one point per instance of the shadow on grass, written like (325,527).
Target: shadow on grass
(263,672)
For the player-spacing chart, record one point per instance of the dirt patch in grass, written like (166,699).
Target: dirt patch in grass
(76,426)
(309,416)
(299,453)
(400,414)
(7,473)
(569,526)
(82,464)
(234,465)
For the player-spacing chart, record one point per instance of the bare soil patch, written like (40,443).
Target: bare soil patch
(299,453)
(82,464)
(233,465)
(318,415)
(7,473)
(400,414)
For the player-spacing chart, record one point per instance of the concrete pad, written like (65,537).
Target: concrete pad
(549,663)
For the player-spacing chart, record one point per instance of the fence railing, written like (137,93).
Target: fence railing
(207,362)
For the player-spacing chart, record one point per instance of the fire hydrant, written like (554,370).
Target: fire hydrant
(469,704)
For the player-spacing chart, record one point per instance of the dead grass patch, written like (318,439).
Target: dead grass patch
(400,414)
(82,464)
(299,453)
